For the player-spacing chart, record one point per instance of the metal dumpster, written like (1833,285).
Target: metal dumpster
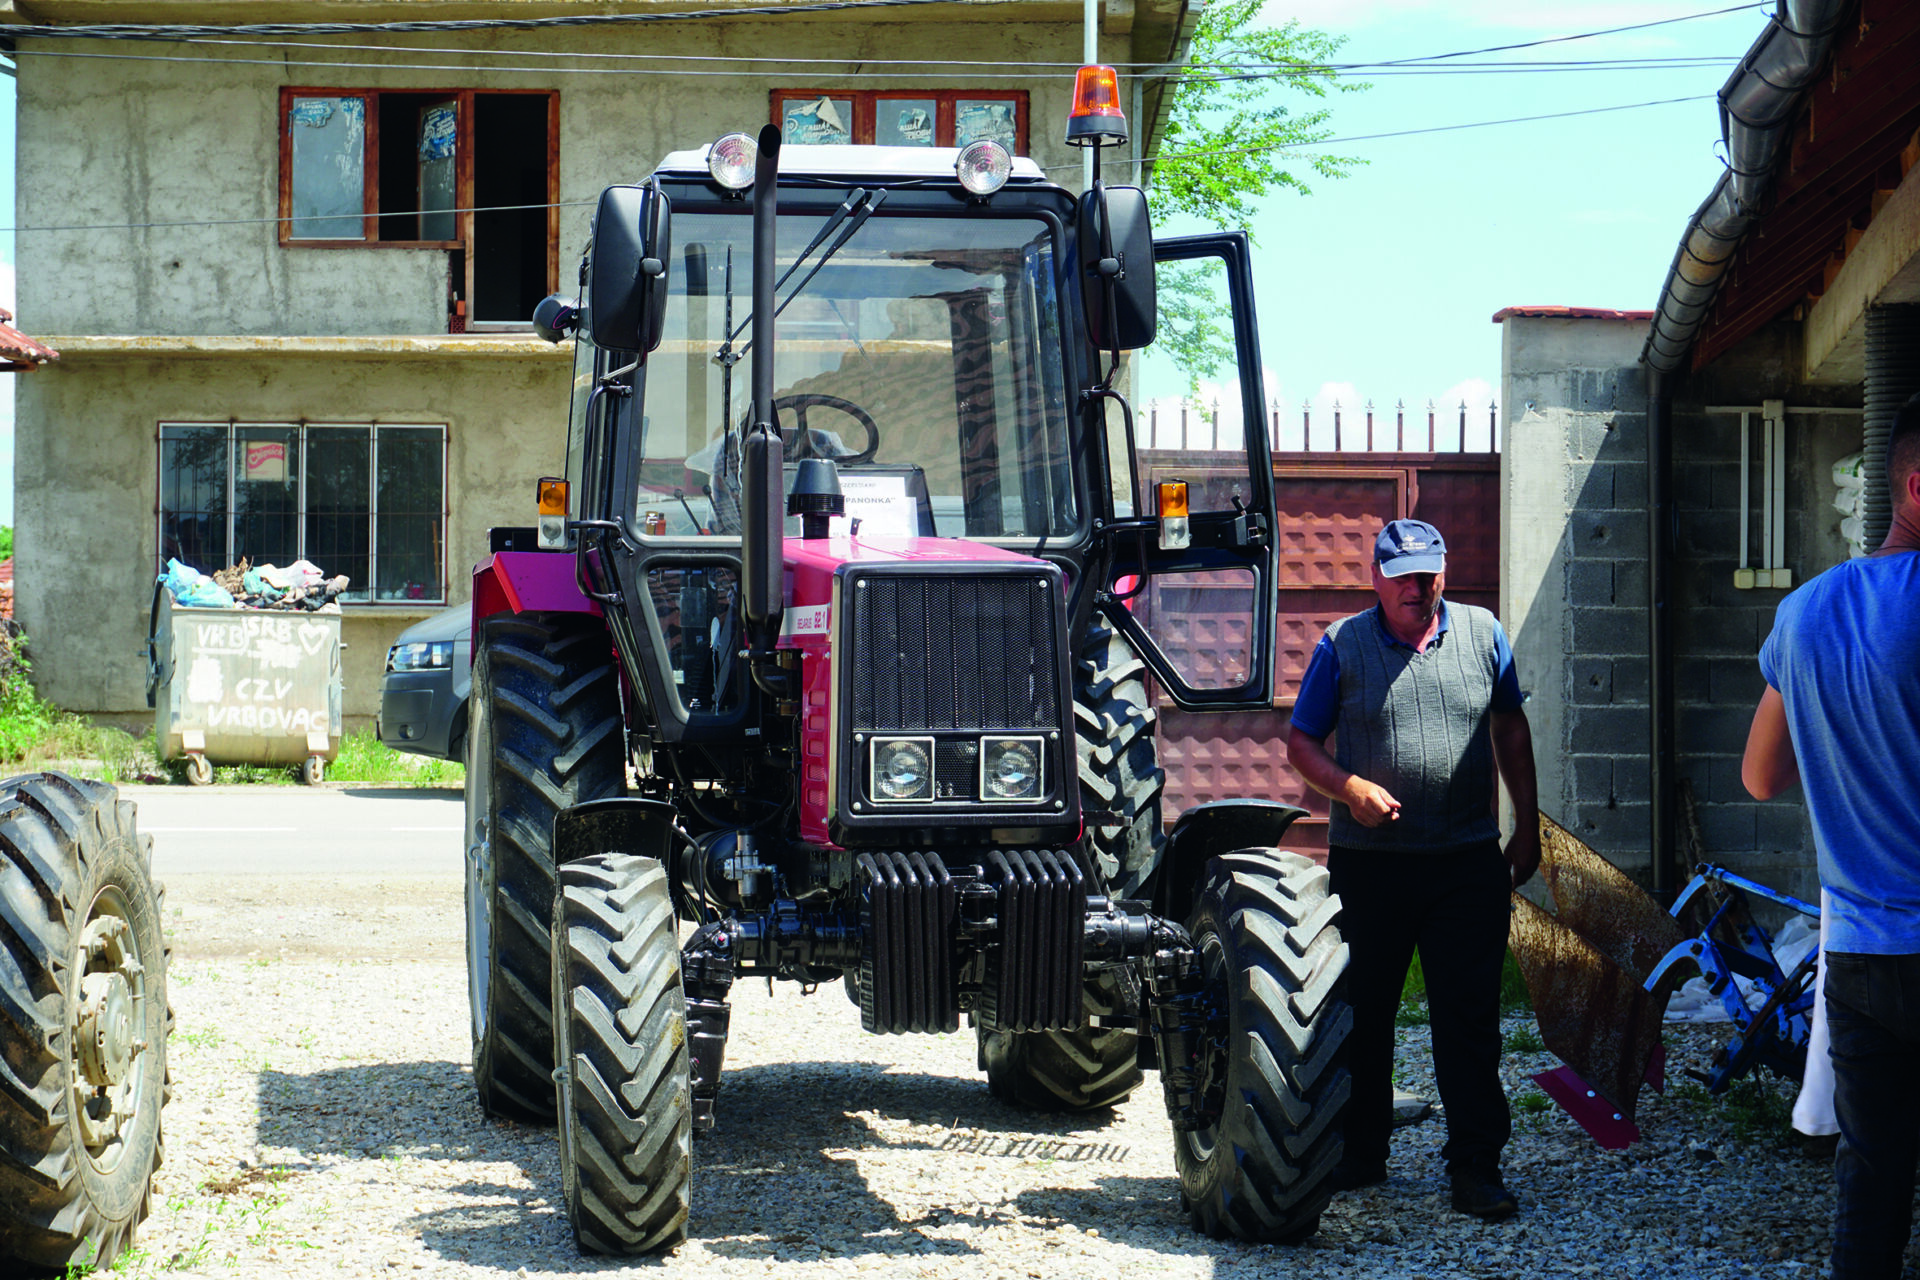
(243,686)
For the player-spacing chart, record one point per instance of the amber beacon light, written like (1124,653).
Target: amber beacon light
(1097,120)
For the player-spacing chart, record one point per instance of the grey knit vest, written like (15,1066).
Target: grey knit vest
(1418,724)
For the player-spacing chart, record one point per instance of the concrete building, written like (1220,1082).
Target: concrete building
(1670,474)
(290,277)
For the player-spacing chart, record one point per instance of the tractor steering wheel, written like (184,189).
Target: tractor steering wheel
(801,443)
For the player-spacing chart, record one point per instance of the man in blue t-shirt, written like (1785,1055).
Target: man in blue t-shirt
(1421,699)
(1841,716)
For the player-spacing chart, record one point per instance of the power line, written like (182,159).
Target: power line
(178,31)
(1154,159)
(1398,133)
(1194,75)
(1584,35)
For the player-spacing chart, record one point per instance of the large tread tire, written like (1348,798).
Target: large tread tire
(83,1025)
(1263,926)
(545,734)
(1120,773)
(624,1083)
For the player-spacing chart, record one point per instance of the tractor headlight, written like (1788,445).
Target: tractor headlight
(731,161)
(1010,769)
(902,769)
(983,167)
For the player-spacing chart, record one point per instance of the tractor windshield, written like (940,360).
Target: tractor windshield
(924,355)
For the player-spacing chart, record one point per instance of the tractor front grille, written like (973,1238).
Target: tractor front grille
(955,652)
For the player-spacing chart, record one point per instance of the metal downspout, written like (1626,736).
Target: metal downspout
(1893,374)
(1660,701)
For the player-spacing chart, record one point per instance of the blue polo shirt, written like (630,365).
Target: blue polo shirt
(1845,655)
(1318,706)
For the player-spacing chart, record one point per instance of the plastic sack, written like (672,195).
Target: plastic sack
(192,588)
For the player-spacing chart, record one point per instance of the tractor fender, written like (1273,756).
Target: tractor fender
(1207,831)
(528,582)
(617,824)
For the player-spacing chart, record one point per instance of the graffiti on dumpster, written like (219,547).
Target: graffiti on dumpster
(234,678)
(275,643)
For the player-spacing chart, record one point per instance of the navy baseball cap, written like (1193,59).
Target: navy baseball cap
(1410,546)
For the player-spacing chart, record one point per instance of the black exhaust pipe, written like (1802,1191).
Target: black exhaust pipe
(762,523)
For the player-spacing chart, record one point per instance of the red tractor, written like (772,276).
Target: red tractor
(838,671)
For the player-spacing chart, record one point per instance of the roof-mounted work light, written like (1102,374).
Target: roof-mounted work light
(1097,120)
(983,167)
(731,161)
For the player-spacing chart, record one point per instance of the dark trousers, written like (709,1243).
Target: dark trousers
(1453,907)
(1873,1025)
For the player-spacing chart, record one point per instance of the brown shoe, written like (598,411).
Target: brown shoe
(1478,1190)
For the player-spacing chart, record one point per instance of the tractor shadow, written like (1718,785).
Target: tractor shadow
(793,1150)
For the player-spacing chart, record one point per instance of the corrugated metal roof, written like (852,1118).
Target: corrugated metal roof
(19,348)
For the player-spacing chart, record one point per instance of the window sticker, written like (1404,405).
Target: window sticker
(975,119)
(819,122)
(904,122)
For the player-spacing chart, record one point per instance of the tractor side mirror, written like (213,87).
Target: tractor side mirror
(1116,267)
(632,246)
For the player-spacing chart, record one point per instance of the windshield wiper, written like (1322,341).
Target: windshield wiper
(861,207)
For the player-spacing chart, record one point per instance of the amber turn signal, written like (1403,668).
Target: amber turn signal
(552,496)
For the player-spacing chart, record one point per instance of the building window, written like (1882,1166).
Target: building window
(474,173)
(901,117)
(361,499)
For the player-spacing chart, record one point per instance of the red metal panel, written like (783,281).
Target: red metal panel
(1330,507)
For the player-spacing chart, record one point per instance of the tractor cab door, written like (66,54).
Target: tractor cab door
(1198,605)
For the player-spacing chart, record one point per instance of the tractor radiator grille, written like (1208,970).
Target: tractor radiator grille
(954,652)
(1034,978)
(908,913)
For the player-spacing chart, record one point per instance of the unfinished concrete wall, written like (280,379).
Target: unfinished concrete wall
(122,149)
(1573,585)
(1720,627)
(86,535)
(1575,580)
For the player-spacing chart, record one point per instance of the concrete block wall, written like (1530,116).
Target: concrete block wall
(1718,627)
(1574,583)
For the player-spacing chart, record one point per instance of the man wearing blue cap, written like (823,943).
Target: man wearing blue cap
(1421,699)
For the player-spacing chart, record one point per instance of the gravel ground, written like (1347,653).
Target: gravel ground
(323,1123)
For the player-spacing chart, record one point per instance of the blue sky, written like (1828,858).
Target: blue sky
(1382,285)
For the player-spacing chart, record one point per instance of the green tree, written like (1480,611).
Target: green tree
(1230,139)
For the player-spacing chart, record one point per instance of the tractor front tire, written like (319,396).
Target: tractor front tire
(1275,1077)
(620,1034)
(545,734)
(1120,775)
(83,1025)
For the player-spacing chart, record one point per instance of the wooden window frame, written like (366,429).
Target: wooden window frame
(463,177)
(866,101)
(299,464)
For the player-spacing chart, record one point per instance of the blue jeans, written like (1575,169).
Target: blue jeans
(1873,1023)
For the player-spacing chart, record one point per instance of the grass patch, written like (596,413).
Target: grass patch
(1753,1109)
(1413,996)
(364,758)
(1524,1039)
(34,733)
(1532,1103)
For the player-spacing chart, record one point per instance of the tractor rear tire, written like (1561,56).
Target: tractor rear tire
(545,735)
(83,1025)
(625,1084)
(1277,1077)
(1120,774)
